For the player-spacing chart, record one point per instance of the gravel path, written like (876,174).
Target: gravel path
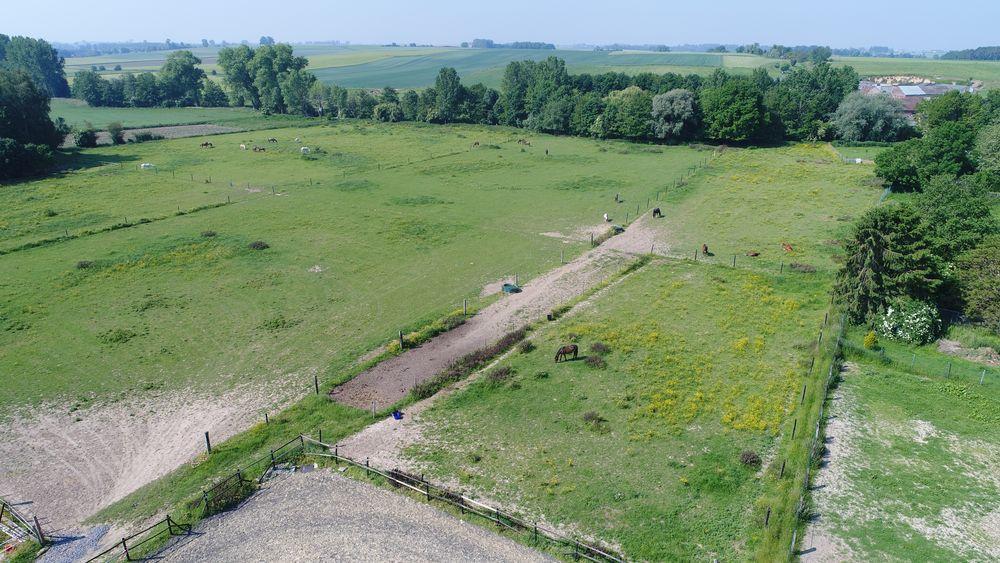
(390,381)
(322,516)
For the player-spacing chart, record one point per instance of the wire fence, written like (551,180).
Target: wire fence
(221,496)
(832,348)
(504,520)
(955,369)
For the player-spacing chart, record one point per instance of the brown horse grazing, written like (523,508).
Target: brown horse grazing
(657,212)
(565,351)
(704,250)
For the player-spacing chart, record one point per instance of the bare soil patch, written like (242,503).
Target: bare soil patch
(167,132)
(985,355)
(69,465)
(324,516)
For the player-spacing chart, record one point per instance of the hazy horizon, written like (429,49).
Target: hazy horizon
(906,25)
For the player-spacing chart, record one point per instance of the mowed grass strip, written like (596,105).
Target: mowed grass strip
(684,367)
(386,228)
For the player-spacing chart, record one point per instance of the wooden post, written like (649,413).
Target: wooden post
(367,473)
(734,260)
(696,254)
(266,421)
(795,425)
(321,435)
(401,344)
(373,408)
(562,257)
(591,239)
(465,306)
(782,472)
(949,370)
(781,268)
(3,506)
(767,517)
(803,400)
(316,383)
(208,442)
(515,278)
(125,548)
(427,490)
(170,526)
(38,531)
(626,217)
(228,200)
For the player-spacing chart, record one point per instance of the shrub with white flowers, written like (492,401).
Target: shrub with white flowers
(909,320)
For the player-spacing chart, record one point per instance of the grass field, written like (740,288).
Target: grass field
(756,199)
(866,153)
(384,227)
(77,113)
(919,449)
(705,363)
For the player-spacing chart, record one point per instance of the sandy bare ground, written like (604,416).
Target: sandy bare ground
(323,516)
(390,381)
(821,544)
(68,469)
(168,132)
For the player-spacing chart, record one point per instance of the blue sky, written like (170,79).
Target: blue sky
(911,24)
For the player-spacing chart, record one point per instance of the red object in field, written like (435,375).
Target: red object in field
(786,246)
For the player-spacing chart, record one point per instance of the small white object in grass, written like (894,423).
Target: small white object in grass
(147,166)
(304,150)
(316,269)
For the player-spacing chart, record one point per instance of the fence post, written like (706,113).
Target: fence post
(427,490)
(982,377)
(38,531)
(782,472)
(208,442)
(125,548)
(401,341)
(170,525)
(781,268)
(949,370)
(803,400)
(767,517)
(316,383)
(465,306)
(734,260)
(367,472)
(795,425)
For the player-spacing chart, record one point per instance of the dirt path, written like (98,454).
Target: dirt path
(391,380)
(820,544)
(323,516)
(167,132)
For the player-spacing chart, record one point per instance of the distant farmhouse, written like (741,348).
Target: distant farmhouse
(910,90)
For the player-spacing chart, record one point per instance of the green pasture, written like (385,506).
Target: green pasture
(77,113)
(383,227)
(921,453)
(753,200)
(705,362)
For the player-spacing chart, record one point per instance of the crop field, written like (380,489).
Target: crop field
(145,306)
(918,449)
(940,70)
(705,362)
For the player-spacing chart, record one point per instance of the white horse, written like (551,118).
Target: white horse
(243,147)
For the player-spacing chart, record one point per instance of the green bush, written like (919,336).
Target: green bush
(85,138)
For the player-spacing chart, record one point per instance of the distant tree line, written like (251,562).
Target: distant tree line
(977,54)
(543,96)
(656,48)
(178,83)
(941,248)
(489,44)
(88,49)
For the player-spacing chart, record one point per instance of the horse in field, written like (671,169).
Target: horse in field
(565,351)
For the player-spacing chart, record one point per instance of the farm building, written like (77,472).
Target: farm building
(910,92)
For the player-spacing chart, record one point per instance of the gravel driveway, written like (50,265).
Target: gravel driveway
(323,516)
